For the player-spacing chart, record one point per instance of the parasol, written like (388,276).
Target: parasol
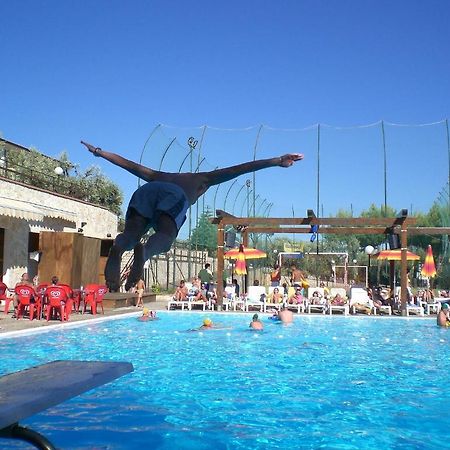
(240,255)
(429,268)
(392,256)
(249,253)
(396,255)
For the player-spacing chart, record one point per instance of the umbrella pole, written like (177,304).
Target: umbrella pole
(392,275)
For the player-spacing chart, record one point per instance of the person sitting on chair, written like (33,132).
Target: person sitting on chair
(181,292)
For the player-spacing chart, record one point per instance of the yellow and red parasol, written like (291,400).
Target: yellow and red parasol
(396,255)
(429,268)
(241,254)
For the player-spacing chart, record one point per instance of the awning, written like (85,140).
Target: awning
(21,209)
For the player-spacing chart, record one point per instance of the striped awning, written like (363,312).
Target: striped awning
(21,209)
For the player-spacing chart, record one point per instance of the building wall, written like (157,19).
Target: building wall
(99,224)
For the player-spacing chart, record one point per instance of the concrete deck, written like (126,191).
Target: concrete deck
(7,323)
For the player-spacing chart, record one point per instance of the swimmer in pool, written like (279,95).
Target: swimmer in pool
(256,324)
(443,317)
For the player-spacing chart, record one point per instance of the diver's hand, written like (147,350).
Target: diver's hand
(94,150)
(289,159)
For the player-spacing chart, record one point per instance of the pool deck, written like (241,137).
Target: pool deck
(8,324)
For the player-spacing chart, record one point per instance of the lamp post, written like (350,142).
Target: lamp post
(59,172)
(248,184)
(368,251)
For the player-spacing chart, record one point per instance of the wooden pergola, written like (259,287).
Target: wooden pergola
(401,225)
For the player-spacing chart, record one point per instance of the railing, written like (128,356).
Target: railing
(51,182)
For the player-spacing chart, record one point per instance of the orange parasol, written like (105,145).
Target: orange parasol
(396,255)
(429,268)
(249,253)
(240,255)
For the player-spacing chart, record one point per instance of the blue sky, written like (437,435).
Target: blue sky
(109,71)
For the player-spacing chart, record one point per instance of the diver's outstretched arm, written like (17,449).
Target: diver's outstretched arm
(228,173)
(139,170)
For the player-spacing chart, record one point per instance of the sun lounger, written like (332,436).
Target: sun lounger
(268,303)
(384,309)
(192,304)
(360,296)
(253,299)
(417,310)
(182,304)
(345,309)
(431,308)
(318,307)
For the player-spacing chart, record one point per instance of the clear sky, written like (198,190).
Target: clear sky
(109,71)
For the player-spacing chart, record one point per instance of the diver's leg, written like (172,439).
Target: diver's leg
(135,227)
(160,242)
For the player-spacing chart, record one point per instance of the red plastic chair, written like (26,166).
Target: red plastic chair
(4,296)
(77,296)
(69,302)
(57,297)
(40,291)
(93,296)
(27,299)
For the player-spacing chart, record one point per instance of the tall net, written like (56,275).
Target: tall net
(345,168)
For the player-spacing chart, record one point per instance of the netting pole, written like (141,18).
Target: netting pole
(318,181)
(384,167)
(448,152)
(165,152)
(254,173)
(145,145)
(235,199)
(226,196)
(199,161)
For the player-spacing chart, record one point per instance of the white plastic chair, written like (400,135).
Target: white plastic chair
(253,299)
(322,306)
(360,295)
(417,310)
(270,304)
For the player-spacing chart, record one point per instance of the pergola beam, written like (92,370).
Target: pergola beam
(401,225)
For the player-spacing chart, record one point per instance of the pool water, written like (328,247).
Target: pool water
(325,382)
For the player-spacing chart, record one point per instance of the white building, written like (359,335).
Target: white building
(25,211)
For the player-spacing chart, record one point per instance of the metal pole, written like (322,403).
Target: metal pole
(254,173)
(448,152)
(260,206)
(192,143)
(143,148)
(215,196)
(235,199)
(226,196)
(165,152)
(318,182)
(385,167)
(246,201)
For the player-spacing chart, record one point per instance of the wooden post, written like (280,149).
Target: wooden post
(245,244)
(404,263)
(220,263)
(392,276)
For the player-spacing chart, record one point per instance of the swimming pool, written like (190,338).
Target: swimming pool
(325,382)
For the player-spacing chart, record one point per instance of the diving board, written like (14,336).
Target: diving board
(34,390)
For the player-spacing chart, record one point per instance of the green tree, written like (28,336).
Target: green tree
(34,168)
(204,235)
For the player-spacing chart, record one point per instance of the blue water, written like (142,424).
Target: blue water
(325,382)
